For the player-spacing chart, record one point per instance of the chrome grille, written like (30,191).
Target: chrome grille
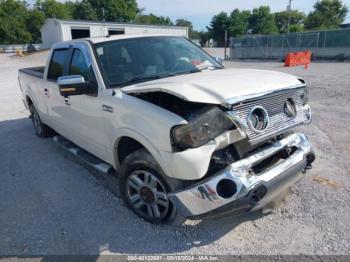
(274,105)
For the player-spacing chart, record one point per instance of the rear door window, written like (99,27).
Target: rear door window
(56,67)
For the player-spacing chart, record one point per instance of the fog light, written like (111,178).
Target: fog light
(226,188)
(258,193)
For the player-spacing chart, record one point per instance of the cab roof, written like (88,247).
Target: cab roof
(100,39)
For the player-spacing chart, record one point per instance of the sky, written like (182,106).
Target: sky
(200,12)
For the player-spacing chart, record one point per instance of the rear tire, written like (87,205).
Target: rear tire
(144,189)
(41,130)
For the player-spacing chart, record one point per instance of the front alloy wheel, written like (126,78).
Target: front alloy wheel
(144,188)
(147,195)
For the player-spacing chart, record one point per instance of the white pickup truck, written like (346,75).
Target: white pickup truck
(187,137)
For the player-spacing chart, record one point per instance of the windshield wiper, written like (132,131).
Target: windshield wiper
(200,68)
(136,79)
(146,77)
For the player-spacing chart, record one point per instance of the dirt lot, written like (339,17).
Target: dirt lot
(51,205)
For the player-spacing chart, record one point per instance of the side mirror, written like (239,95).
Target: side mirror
(75,85)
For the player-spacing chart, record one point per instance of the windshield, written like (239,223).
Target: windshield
(133,60)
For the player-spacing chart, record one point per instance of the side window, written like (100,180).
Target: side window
(57,64)
(79,66)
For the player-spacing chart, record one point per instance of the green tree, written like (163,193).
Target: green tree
(327,14)
(195,34)
(297,28)
(238,22)
(13,19)
(115,10)
(69,7)
(218,25)
(203,38)
(153,19)
(262,21)
(83,11)
(296,21)
(34,21)
(185,23)
(53,9)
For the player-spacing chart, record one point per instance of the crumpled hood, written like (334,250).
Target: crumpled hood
(219,86)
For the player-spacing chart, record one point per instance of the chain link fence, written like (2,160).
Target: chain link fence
(328,45)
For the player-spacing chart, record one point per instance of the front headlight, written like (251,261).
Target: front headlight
(205,126)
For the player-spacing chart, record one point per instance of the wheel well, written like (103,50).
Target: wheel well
(126,146)
(29,101)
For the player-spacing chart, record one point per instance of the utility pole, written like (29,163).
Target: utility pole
(103,14)
(225,44)
(289,8)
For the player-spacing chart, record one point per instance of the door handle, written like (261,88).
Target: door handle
(107,108)
(67,101)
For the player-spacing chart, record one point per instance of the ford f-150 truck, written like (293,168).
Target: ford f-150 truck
(187,137)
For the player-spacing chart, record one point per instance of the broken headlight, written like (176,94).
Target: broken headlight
(203,127)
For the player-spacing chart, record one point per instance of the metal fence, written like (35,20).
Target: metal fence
(22,48)
(328,44)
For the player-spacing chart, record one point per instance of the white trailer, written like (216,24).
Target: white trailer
(55,30)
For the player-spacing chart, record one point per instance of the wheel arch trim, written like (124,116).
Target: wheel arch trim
(148,145)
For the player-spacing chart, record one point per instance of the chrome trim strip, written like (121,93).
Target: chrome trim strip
(71,79)
(246,98)
(204,198)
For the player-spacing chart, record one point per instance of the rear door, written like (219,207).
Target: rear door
(57,109)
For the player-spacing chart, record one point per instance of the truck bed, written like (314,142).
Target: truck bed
(37,71)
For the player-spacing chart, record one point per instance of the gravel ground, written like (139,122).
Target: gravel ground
(51,205)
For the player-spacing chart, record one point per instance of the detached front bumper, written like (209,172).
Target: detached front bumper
(237,188)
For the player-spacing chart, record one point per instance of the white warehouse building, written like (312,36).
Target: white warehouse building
(55,30)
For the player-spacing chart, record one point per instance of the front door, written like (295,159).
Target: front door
(85,111)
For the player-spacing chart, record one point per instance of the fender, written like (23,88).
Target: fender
(29,94)
(127,132)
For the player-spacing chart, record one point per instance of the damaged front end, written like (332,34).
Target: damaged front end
(244,187)
(205,122)
(238,156)
(204,126)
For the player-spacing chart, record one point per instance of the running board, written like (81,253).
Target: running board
(103,172)
(84,156)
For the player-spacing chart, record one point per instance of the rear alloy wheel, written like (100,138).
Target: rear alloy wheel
(37,123)
(41,130)
(147,195)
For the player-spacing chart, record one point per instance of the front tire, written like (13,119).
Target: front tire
(145,191)
(41,130)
